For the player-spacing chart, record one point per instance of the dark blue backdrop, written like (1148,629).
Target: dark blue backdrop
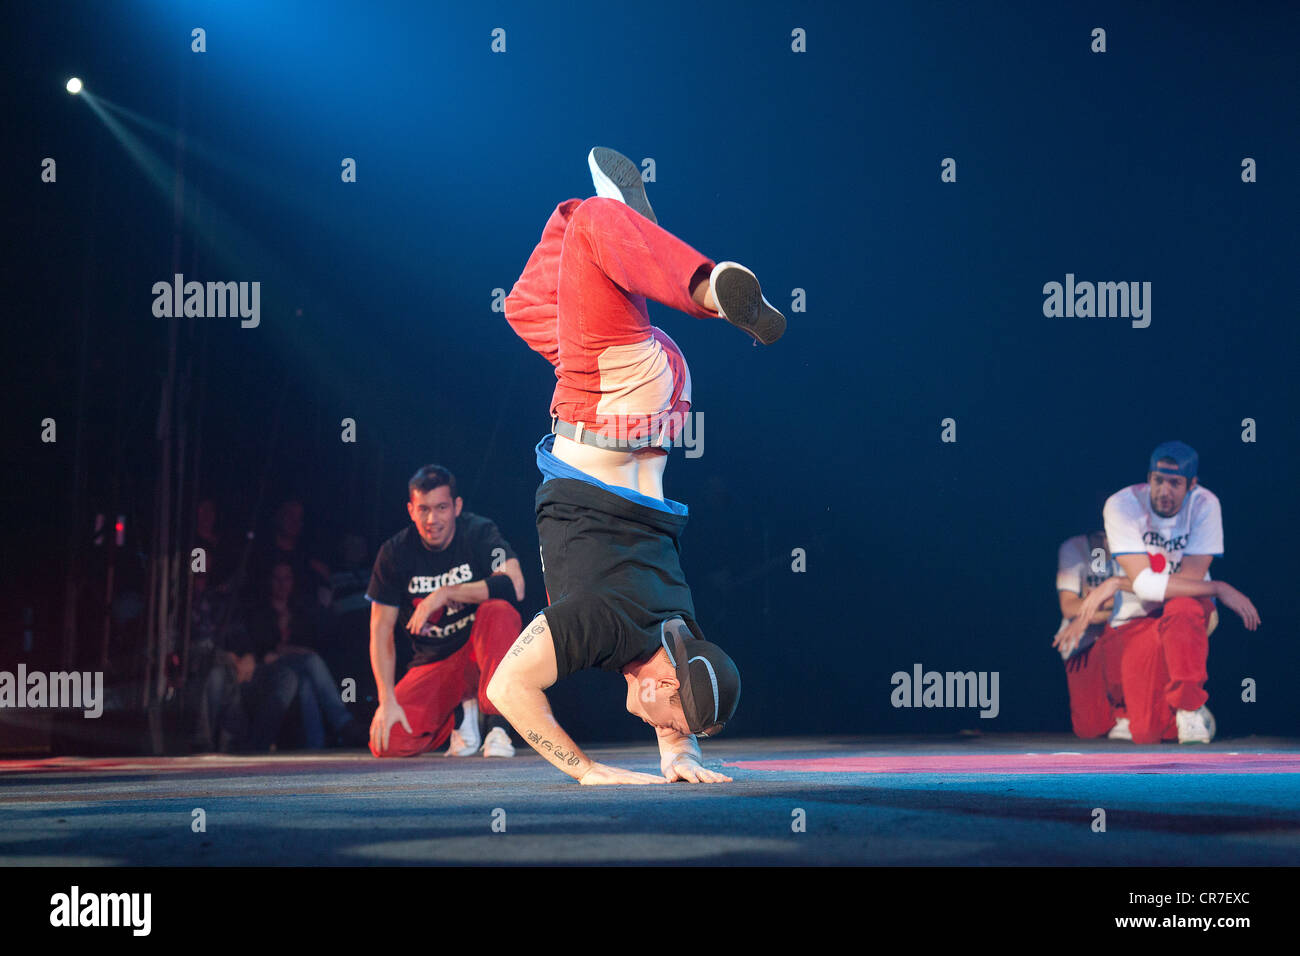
(820,170)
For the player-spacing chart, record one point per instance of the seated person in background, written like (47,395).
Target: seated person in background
(212,608)
(1091,665)
(286,544)
(243,698)
(221,556)
(285,630)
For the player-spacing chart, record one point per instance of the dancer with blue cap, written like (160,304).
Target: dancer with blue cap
(1164,533)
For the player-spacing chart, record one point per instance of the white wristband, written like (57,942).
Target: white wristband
(1150,586)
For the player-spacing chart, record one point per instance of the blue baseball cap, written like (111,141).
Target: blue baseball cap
(1180,452)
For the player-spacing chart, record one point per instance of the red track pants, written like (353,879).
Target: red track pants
(1144,670)
(581,304)
(429,693)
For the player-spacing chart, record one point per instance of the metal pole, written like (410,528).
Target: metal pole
(77,530)
(163,560)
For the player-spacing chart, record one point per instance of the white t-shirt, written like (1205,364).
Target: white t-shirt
(1074,568)
(1133,528)
(1075,572)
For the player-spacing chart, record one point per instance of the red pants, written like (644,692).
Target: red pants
(1161,669)
(428,694)
(581,304)
(1096,692)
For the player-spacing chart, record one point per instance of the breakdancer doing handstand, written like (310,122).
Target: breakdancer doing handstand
(609,538)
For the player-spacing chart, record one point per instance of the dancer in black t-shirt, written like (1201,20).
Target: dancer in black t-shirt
(448,581)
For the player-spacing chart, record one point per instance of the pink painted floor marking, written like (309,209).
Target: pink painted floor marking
(1180,761)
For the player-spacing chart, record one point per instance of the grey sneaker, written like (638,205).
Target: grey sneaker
(740,302)
(617,177)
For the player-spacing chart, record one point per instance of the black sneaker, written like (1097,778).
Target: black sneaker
(740,302)
(617,177)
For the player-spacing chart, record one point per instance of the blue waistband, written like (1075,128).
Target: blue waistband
(552,467)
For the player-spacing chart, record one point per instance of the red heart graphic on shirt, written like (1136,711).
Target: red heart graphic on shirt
(1157,562)
(435,617)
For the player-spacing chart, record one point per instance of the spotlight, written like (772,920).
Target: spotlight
(74,86)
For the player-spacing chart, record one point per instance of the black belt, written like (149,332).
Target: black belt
(594,438)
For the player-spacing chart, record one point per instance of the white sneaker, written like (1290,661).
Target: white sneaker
(1195,726)
(497,744)
(1121,730)
(458,746)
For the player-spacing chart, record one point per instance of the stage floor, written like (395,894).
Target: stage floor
(982,800)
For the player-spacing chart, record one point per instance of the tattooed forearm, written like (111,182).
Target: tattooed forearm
(556,755)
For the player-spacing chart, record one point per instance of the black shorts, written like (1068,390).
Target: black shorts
(613,575)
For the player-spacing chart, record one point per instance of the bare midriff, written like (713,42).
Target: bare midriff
(641,470)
